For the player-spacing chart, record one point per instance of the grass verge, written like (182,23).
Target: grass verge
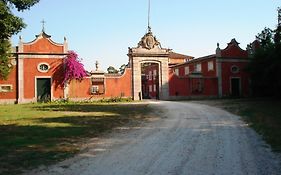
(35,134)
(264,115)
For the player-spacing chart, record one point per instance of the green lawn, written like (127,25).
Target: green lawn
(35,134)
(264,115)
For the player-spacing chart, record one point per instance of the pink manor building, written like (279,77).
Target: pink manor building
(152,72)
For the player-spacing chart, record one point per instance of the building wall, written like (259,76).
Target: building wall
(204,83)
(31,72)
(119,86)
(241,74)
(178,86)
(80,89)
(43,45)
(10,97)
(114,86)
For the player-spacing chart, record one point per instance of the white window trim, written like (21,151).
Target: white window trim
(3,90)
(93,88)
(210,65)
(43,71)
(186,70)
(198,67)
(150,75)
(154,74)
(177,71)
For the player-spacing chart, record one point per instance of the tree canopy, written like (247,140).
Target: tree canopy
(10,25)
(112,70)
(265,67)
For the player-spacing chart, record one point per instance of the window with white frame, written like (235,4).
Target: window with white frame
(6,88)
(177,72)
(95,90)
(154,88)
(150,88)
(154,74)
(186,70)
(150,75)
(210,65)
(198,67)
(43,67)
(234,69)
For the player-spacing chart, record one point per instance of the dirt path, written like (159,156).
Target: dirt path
(188,139)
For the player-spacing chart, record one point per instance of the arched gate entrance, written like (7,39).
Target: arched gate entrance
(149,50)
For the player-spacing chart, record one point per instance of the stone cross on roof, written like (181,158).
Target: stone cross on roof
(43,25)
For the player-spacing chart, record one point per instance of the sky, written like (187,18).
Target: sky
(103,30)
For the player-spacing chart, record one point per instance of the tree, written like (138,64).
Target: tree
(74,69)
(265,67)
(122,68)
(10,25)
(112,70)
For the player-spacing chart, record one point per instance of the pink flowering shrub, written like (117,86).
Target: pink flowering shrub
(74,69)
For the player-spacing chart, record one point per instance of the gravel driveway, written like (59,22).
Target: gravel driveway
(188,139)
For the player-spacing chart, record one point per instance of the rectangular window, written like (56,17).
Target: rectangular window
(154,88)
(154,74)
(186,70)
(150,88)
(210,65)
(6,88)
(177,72)
(150,75)
(198,67)
(95,90)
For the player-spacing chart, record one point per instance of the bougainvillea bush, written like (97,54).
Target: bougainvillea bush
(74,69)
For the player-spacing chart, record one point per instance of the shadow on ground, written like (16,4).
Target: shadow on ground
(47,139)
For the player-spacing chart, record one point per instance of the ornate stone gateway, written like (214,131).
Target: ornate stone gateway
(149,50)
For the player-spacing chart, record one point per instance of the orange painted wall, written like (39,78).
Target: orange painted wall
(42,46)
(11,80)
(31,71)
(115,86)
(80,89)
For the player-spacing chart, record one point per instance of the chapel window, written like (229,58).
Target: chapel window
(43,67)
(234,69)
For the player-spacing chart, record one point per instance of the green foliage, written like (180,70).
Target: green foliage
(264,115)
(122,68)
(112,70)
(10,25)
(21,4)
(4,59)
(265,67)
